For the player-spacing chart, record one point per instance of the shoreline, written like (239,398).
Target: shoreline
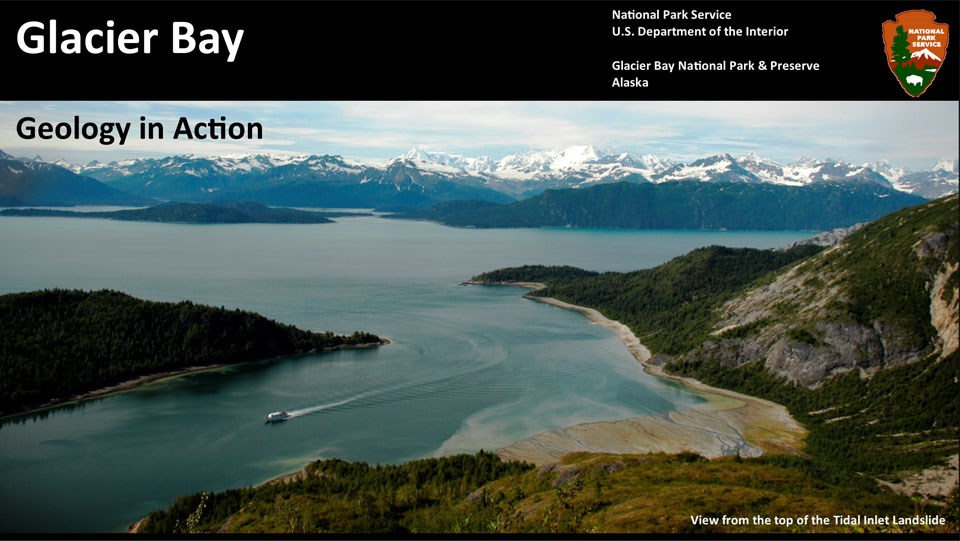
(706,428)
(727,423)
(140,381)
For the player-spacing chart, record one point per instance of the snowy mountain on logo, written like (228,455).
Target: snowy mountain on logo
(924,59)
(925,54)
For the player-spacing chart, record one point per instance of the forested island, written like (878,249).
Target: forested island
(682,205)
(241,212)
(55,344)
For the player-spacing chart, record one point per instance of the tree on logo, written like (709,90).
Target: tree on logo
(915,64)
(899,50)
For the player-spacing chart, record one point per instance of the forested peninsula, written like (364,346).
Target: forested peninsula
(241,212)
(57,344)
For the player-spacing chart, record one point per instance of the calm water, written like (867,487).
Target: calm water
(469,367)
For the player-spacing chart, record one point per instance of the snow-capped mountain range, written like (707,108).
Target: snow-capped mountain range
(579,166)
(32,182)
(518,175)
(205,166)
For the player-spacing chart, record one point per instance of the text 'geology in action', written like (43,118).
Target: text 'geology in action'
(108,133)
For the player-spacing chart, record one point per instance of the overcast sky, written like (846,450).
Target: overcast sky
(912,133)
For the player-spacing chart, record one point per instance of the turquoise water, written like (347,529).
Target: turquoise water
(469,367)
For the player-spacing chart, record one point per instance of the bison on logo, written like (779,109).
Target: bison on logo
(916,46)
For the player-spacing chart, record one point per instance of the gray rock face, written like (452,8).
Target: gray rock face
(803,363)
(830,348)
(932,244)
(732,353)
(833,348)
(855,345)
(827,238)
(839,348)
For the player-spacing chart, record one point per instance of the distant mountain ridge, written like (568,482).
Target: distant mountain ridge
(24,182)
(302,180)
(683,205)
(422,178)
(517,175)
(529,173)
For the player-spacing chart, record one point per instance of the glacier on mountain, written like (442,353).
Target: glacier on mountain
(527,173)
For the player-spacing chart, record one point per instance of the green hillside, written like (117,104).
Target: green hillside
(683,205)
(853,344)
(669,307)
(587,493)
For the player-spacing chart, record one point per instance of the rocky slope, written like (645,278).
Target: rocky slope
(827,238)
(884,297)
(858,342)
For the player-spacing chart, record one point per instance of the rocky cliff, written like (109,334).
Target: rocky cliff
(885,296)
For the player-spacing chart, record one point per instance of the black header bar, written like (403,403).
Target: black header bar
(576,50)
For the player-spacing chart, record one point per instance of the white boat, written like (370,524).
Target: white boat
(278,416)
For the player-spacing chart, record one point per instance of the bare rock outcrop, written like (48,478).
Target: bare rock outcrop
(943,309)
(827,238)
(802,324)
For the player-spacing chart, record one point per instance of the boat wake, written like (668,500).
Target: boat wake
(456,383)
(313,409)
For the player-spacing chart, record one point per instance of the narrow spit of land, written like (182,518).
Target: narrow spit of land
(727,423)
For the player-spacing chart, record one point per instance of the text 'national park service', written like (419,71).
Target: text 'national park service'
(656,29)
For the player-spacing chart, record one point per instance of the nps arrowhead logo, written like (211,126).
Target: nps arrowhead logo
(916,47)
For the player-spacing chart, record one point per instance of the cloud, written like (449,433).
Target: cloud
(465,126)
